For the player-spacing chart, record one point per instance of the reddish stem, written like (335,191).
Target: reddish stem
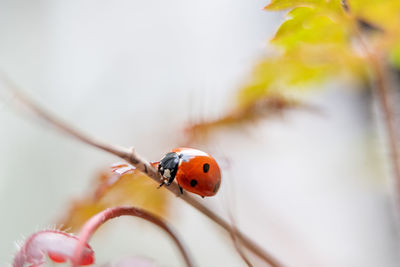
(99,219)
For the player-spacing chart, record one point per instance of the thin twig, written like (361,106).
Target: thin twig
(100,218)
(142,165)
(388,106)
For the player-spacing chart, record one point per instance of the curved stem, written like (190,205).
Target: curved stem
(102,217)
(142,165)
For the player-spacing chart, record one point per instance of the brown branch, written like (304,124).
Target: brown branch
(100,218)
(388,106)
(384,91)
(142,165)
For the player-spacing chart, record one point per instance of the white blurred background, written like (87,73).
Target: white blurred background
(310,188)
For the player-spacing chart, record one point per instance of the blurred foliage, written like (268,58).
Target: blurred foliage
(110,190)
(262,107)
(319,41)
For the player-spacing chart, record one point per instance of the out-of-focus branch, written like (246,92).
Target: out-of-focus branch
(388,106)
(141,164)
(237,245)
(102,217)
(385,94)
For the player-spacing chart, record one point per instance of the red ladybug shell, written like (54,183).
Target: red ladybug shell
(196,171)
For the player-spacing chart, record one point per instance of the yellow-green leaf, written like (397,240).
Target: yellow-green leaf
(130,189)
(383,13)
(286,4)
(311,26)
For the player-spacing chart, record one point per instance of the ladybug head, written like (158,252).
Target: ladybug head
(168,167)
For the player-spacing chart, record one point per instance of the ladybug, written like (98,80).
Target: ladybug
(194,170)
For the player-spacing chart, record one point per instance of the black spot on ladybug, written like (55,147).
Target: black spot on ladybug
(206,167)
(193,183)
(216,187)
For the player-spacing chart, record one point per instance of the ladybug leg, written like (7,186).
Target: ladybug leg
(162,183)
(180,189)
